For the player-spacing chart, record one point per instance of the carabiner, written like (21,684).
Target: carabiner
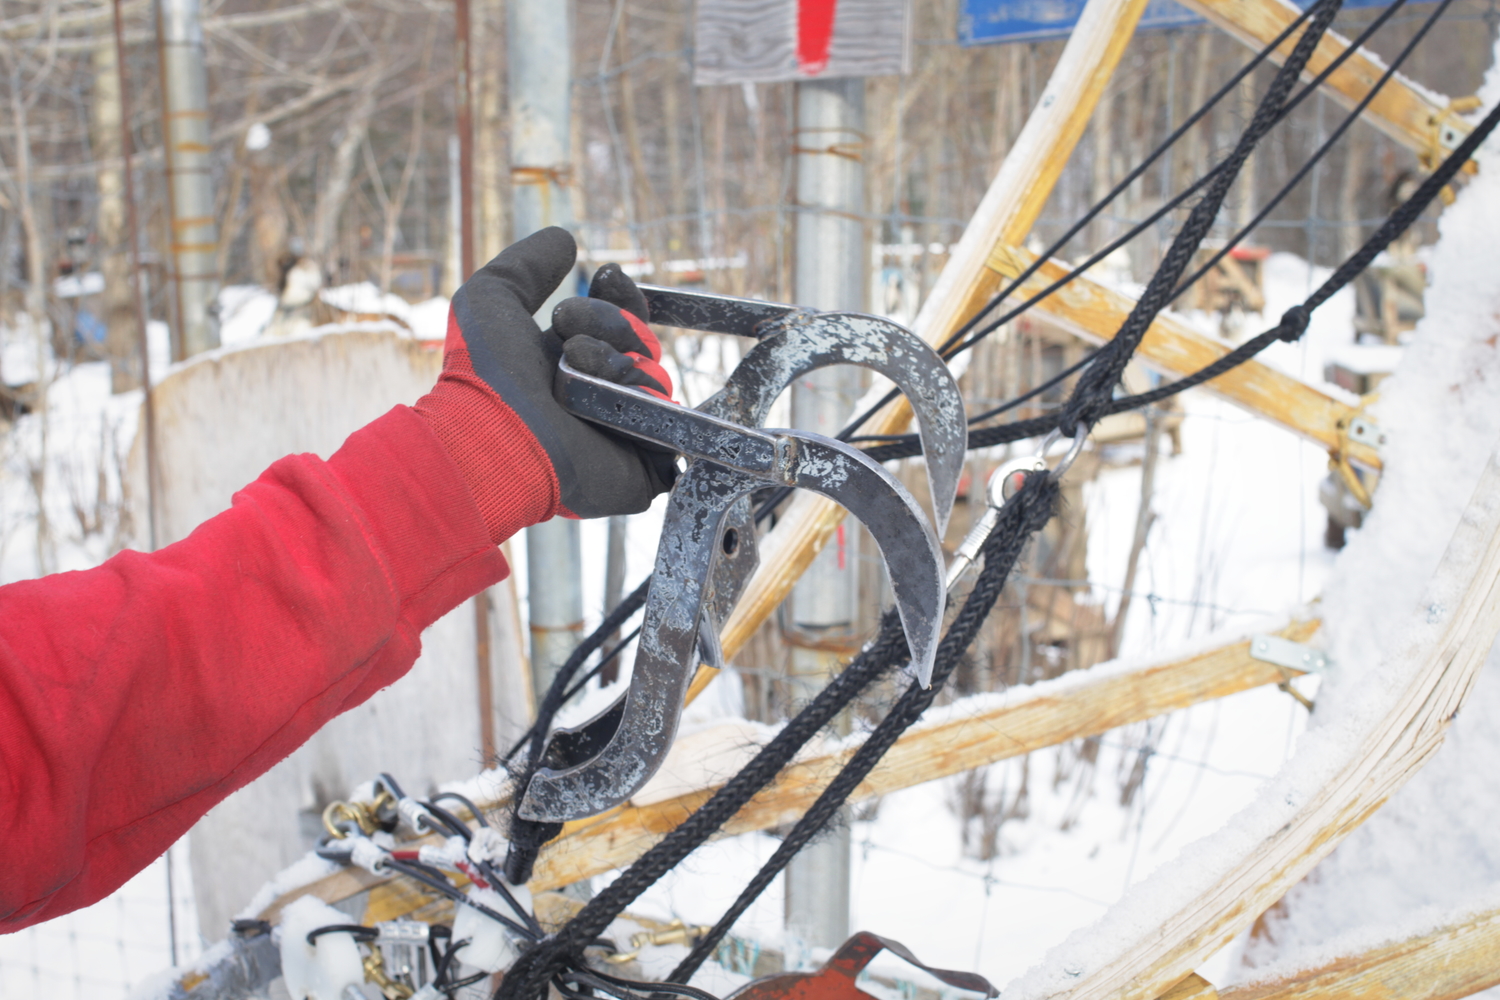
(1059,470)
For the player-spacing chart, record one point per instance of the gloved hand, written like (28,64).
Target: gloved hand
(524,457)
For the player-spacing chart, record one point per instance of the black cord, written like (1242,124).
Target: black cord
(950,349)
(602,979)
(463,800)
(1172,203)
(604,661)
(455,825)
(436,881)
(1293,323)
(1025,514)
(1328,144)
(1229,245)
(1095,387)
(497,882)
(360,932)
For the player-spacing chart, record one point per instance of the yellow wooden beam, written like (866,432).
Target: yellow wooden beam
(1456,960)
(1080,704)
(1407,112)
(1010,207)
(1314,805)
(1171,346)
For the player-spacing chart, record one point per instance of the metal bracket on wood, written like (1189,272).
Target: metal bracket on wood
(1366,432)
(1289,654)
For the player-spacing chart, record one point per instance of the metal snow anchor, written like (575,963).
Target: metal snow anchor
(707,550)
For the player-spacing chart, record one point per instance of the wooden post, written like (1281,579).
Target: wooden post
(1170,345)
(1005,216)
(1198,908)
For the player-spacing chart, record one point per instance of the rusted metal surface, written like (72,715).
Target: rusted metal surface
(728,462)
(707,549)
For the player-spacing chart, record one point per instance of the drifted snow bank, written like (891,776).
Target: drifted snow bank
(1431,852)
(1429,846)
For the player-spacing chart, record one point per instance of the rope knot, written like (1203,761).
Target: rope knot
(1293,324)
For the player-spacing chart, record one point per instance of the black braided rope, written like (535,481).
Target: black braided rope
(1293,322)
(529,977)
(1095,387)
(526,835)
(531,973)
(1025,514)
(1318,154)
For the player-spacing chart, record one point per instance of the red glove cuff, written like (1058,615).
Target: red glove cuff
(506,468)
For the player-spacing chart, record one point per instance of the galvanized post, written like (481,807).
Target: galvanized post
(539,44)
(190,186)
(831,269)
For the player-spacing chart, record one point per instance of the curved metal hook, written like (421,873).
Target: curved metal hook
(804,342)
(730,461)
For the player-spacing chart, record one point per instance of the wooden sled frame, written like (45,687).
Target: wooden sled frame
(1449,652)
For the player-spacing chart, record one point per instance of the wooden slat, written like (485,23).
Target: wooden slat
(1009,209)
(1083,703)
(1171,346)
(1172,922)
(1456,960)
(1405,111)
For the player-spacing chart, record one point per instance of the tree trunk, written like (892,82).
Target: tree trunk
(122,339)
(336,189)
(491,156)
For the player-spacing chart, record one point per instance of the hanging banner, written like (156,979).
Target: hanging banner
(983,22)
(770,41)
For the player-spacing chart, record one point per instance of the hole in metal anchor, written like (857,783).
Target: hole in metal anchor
(731,541)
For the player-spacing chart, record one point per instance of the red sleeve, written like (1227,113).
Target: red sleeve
(135,696)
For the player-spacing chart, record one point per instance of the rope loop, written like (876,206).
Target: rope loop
(1293,323)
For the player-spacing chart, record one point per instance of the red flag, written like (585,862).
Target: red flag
(763,41)
(814,34)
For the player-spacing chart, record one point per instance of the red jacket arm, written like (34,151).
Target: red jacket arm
(137,695)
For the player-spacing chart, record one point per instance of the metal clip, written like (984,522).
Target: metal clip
(1061,468)
(1286,653)
(674,933)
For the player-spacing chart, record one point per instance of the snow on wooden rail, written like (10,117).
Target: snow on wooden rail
(1455,959)
(967,734)
(1173,921)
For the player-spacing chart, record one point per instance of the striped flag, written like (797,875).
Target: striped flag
(766,41)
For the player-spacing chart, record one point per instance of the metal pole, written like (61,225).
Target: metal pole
(190,186)
(831,269)
(539,46)
(464,98)
(148,407)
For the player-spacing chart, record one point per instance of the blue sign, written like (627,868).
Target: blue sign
(982,22)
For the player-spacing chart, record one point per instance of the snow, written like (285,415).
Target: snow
(1236,549)
(1431,848)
